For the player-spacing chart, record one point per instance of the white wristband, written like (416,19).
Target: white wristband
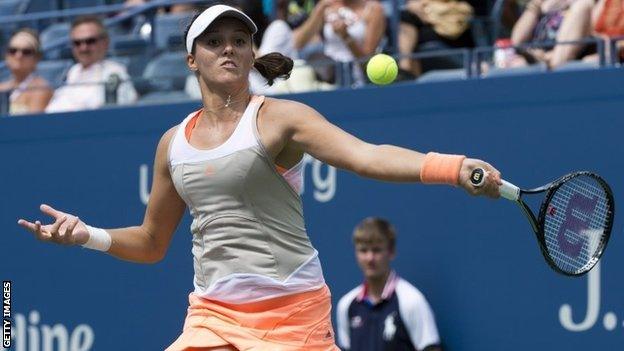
(99,239)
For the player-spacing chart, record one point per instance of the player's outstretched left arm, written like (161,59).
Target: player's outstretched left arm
(306,130)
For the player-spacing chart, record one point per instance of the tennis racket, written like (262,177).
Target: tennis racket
(574,222)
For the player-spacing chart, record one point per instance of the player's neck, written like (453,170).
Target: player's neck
(221,106)
(218,100)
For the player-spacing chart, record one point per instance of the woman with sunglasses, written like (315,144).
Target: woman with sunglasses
(236,163)
(28,92)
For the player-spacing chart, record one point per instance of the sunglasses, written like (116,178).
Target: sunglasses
(86,41)
(25,52)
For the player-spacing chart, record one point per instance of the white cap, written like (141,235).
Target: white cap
(204,20)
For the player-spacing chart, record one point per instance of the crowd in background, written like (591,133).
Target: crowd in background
(321,36)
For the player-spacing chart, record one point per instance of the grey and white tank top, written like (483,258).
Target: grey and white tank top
(249,236)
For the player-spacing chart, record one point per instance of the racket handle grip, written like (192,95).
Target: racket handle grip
(507,190)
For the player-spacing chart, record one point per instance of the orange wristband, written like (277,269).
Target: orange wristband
(441,169)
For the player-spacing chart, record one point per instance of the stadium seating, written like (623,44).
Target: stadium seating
(54,71)
(166,72)
(169,28)
(12,7)
(164,97)
(135,64)
(70,4)
(4,72)
(41,6)
(130,44)
(50,39)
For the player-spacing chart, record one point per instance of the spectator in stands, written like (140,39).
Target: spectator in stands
(278,36)
(608,23)
(86,79)
(29,93)
(601,19)
(583,19)
(445,21)
(385,312)
(351,30)
(540,22)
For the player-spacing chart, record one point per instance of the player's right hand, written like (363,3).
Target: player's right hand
(65,230)
(492,182)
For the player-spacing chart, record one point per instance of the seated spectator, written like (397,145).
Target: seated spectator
(278,36)
(584,19)
(85,81)
(422,21)
(540,22)
(350,29)
(608,23)
(30,93)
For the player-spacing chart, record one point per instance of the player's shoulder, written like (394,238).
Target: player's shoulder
(286,108)
(171,132)
(166,138)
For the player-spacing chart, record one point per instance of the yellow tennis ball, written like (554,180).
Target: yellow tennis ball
(382,69)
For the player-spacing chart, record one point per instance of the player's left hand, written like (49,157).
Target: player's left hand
(66,229)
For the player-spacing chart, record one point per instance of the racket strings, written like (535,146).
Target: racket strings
(575,222)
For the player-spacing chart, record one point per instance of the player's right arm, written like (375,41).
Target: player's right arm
(147,243)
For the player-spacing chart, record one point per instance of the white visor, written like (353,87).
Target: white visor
(206,18)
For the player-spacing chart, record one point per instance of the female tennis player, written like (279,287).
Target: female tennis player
(236,163)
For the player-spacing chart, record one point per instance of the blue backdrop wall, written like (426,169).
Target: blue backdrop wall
(476,260)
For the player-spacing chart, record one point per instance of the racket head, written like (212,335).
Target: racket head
(575,222)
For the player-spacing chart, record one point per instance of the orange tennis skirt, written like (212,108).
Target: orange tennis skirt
(294,322)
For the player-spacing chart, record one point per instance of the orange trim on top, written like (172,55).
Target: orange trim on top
(191,125)
(281,170)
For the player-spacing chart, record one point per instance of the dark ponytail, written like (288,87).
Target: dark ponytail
(274,65)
